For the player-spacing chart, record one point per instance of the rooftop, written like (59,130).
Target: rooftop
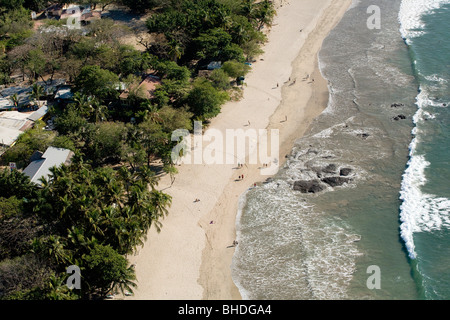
(52,157)
(149,84)
(38,114)
(12,124)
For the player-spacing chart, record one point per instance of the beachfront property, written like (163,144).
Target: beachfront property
(42,162)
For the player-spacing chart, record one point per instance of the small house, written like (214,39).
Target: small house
(41,164)
(146,87)
(12,125)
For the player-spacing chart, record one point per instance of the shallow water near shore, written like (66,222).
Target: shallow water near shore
(320,245)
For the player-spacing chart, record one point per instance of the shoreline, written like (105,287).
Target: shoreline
(191,258)
(314,100)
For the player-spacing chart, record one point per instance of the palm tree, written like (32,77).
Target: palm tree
(98,111)
(53,247)
(265,13)
(15,183)
(37,92)
(160,201)
(248,8)
(151,112)
(148,176)
(175,50)
(81,104)
(171,170)
(56,289)
(239,33)
(126,177)
(225,19)
(76,236)
(125,283)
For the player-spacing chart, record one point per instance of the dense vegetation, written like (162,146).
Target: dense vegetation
(98,209)
(85,217)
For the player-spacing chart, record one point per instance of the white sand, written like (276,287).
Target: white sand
(189,258)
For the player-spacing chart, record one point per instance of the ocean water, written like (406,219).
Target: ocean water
(387,121)
(425,193)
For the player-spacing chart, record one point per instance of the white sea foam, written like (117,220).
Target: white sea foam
(411,13)
(324,133)
(436,78)
(241,204)
(288,250)
(420,212)
(354,4)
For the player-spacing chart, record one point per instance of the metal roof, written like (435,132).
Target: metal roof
(39,114)
(41,168)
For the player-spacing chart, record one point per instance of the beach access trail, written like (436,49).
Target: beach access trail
(191,257)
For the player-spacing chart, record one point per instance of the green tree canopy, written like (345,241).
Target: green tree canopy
(15,183)
(204,100)
(235,69)
(107,270)
(98,82)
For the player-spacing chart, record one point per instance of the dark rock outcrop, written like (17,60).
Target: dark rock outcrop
(345,172)
(395,105)
(399,117)
(363,135)
(331,168)
(335,181)
(320,171)
(311,186)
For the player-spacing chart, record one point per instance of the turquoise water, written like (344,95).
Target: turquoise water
(426,206)
(394,211)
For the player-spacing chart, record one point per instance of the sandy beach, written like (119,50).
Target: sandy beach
(191,257)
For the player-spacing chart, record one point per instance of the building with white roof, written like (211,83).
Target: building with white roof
(12,125)
(52,157)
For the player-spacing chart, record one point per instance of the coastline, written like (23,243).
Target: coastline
(190,258)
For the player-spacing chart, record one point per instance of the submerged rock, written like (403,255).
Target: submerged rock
(400,116)
(345,171)
(308,186)
(363,135)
